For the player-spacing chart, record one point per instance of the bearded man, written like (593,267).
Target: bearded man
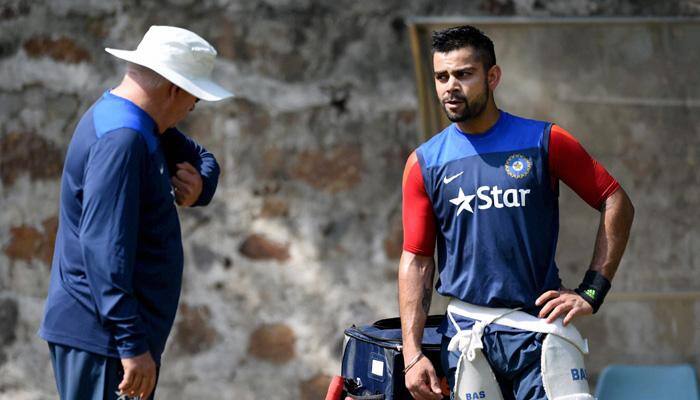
(485,192)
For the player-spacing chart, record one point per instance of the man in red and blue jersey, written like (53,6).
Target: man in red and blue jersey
(484,192)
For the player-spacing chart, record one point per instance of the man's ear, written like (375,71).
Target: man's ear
(173,91)
(493,77)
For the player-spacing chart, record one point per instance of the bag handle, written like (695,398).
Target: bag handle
(395,323)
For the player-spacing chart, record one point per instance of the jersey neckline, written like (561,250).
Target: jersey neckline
(502,118)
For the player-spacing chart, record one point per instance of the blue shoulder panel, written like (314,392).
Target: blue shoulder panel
(508,134)
(114,112)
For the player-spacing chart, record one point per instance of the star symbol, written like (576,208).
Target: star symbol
(464,202)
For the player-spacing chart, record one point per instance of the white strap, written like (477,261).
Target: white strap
(467,342)
(516,319)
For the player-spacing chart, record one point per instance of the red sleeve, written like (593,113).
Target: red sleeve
(570,162)
(418,217)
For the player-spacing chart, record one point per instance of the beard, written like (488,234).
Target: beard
(472,109)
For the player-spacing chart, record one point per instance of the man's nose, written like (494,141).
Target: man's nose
(452,84)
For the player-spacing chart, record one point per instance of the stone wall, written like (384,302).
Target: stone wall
(303,235)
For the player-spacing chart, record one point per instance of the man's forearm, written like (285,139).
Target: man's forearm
(179,148)
(614,230)
(415,291)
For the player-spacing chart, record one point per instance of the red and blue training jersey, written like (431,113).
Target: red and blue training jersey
(489,202)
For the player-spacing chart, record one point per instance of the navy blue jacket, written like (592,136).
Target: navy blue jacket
(117,267)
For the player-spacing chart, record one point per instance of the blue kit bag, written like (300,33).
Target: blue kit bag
(373,360)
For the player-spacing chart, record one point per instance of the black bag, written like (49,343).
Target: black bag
(373,361)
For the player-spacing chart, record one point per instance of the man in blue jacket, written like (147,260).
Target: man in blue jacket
(117,268)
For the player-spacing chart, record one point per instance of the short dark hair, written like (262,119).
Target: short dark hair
(459,37)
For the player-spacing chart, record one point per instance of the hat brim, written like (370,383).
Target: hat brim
(204,89)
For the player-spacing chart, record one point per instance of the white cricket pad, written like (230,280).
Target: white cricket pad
(563,372)
(475,380)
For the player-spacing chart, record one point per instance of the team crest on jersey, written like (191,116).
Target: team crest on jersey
(518,166)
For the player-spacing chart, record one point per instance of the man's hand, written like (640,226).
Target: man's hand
(564,302)
(187,184)
(422,381)
(139,376)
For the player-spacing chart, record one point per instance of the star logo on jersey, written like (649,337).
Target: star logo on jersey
(463,201)
(518,166)
(488,197)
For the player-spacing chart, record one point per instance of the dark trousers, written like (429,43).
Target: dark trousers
(81,375)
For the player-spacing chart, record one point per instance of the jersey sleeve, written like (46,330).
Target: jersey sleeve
(109,227)
(419,225)
(178,148)
(571,163)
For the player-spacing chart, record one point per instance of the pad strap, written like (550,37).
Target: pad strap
(514,319)
(469,341)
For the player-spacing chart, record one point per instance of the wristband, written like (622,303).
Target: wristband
(413,362)
(593,289)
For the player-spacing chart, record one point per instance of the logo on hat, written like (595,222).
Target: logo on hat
(518,166)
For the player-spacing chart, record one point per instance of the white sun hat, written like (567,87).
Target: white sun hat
(180,56)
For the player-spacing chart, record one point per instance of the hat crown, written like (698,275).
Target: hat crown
(182,50)
(180,56)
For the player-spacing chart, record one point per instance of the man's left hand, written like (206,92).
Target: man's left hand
(187,184)
(562,303)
